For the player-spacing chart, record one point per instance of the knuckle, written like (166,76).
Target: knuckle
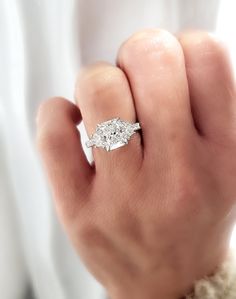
(185,189)
(186,200)
(147,42)
(207,46)
(186,181)
(100,79)
(90,235)
(49,135)
(48,139)
(42,109)
(47,107)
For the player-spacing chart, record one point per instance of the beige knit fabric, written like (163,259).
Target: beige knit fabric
(222,285)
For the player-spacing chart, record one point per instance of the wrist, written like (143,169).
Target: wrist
(222,284)
(164,290)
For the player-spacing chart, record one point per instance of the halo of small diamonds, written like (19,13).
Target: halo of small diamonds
(112,134)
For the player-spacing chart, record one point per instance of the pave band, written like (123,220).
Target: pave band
(112,134)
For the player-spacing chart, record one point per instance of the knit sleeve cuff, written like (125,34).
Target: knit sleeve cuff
(222,285)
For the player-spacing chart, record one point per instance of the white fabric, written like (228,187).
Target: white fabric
(42,46)
(221,285)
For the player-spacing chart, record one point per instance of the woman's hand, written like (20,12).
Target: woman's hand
(149,218)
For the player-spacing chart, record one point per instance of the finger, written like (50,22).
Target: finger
(103,93)
(58,140)
(154,63)
(211,84)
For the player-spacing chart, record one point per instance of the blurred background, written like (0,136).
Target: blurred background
(43,44)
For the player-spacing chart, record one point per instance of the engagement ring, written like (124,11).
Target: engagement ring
(112,134)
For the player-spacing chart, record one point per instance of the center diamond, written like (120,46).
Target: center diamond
(112,134)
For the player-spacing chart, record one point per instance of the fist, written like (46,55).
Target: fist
(153,216)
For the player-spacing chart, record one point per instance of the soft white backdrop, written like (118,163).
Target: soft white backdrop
(42,45)
(226,30)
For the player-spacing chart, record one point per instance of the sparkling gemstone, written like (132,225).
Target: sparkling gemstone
(112,134)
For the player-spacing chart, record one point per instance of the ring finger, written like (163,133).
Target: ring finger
(102,93)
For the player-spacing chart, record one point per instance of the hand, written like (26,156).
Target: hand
(151,217)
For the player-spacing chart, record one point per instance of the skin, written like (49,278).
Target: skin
(149,218)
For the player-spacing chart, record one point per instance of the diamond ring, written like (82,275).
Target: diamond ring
(112,134)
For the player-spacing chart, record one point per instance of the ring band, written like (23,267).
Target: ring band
(112,134)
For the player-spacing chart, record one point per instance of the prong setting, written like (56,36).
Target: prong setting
(112,134)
